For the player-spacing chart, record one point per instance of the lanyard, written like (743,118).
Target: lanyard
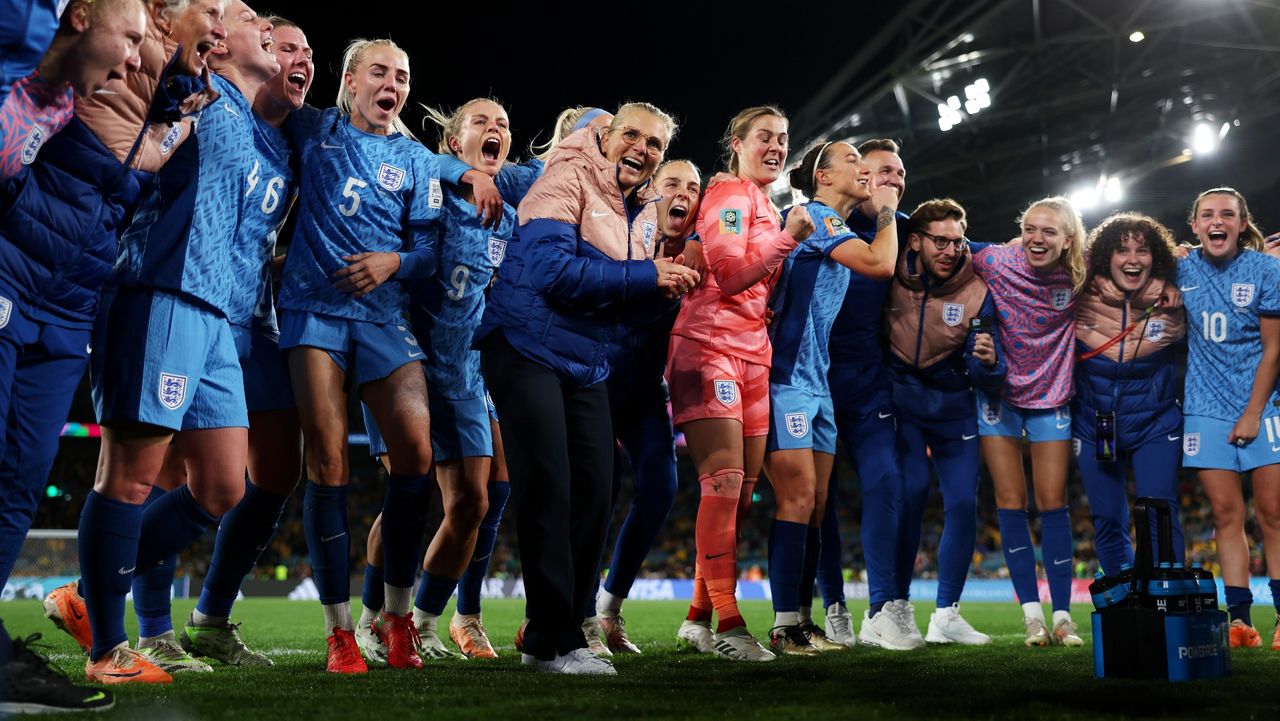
(1146,314)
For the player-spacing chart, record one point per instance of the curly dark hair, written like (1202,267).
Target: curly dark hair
(1107,236)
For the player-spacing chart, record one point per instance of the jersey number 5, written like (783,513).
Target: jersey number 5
(349,191)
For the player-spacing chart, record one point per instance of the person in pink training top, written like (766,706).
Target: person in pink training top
(1035,284)
(718,366)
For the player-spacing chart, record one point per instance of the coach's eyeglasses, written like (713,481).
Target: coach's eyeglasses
(941,241)
(653,145)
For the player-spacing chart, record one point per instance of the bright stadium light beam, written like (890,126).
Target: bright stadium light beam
(1085,198)
(1112,191)
(1137,36)
(1203,140)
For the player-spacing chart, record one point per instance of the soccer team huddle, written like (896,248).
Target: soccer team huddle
(514,328)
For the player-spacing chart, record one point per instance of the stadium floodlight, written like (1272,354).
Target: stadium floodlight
(1203,140)
(1085,198)
(1137,36)
(1222,132)
(1112,191)
(948,116)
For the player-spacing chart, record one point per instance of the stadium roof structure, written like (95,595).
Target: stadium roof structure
(1099,98)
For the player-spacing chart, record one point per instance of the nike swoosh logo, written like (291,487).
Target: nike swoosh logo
(329,147)
(1062,427)
(414,354)
(231,110)
(968,438)
(1059,563)
(330,538)
(125,571)
(96,697)
(1188,288)
(710,557)
(1019,548)
(1275,449)
(1173,438)
(124,675)
(599,213)
(75,611)
(883,416)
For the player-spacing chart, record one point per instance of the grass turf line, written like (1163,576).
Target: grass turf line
(1001,681)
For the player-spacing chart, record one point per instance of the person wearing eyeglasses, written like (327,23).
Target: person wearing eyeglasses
(583,255)
(802,433)
(943,344)
(1035,285)
(1126,412)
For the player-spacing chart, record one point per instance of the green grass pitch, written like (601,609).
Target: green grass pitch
(1001,681)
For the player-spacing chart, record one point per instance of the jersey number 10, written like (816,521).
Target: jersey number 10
(1215,326)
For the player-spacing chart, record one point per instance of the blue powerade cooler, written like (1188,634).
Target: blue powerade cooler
(1158,620)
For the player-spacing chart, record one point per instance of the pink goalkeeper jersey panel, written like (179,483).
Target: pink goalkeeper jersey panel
(744,246)
(32,113)
(1037,326)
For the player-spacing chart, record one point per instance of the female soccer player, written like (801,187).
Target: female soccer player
(1035,285)
(802,434)
(365,186)
(718,364)
(1230,292)
(1125,412)
(588,228)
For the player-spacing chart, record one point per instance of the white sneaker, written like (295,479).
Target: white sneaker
(695,636)
(1065,633)
(737,644)
(884,630)
(839,625)
(1037,634)
(597,643)
(946,625)
(578,662)
(906,615)
(370,641)
(430,644)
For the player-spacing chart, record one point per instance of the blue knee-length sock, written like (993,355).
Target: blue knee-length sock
(434,593)
(171,523)
(153,590)
(830,563)
(1274,584)
(1239,603)
(245,532)
(108,545)
(375,595)
(1019,555)
(486,538)
(1056,547)
(324,520)
(809,571)
(786,563)
(404,519)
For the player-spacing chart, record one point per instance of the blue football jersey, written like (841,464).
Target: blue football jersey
(183,232)
(446,308)
(269,191)
(1223,303)
(359,193)
(805,302)
(855,336)
(515,179)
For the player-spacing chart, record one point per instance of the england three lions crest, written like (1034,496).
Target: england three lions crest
(648,230)
(727,392)
(35,139)
(1155,330)
(6,310)
(173,390)
(1061,298)
(1242,294)
(390,177)
(497,251)
(952,313)
(1191,444)
(797,424)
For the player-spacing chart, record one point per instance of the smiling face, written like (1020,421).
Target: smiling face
(636,141)
(248,44)
(378,87)
(484,137)
(290,85)
(681,189)
(1044,238)
(1131,263)
(1218,222)
(887,169)
(845,173)
(940,263)
(762,149)
(198,28)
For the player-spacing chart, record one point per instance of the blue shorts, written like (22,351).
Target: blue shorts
(1204,444)
(1035,424)
(161,360)
(800,419)
(265,369)
(459,429)
(367,351)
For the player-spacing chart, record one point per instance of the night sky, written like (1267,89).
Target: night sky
(700,62)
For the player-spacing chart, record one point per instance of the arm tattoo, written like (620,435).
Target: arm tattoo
(884,218)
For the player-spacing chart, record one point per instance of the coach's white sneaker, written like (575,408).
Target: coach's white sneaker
(597,643)
(839,625)
(737,644)
(578,662)
(370,642)
(695,636)
(885,630)
(946,625)
(906,615)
